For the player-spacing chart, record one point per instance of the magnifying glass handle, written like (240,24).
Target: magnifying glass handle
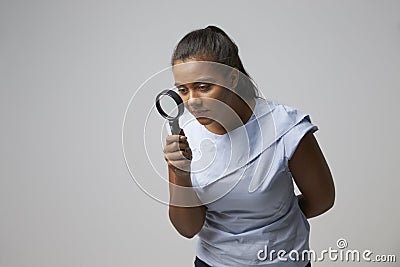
(175,128)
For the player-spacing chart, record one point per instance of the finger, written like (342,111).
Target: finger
(175,138)
(176,146)
(187,152)
(171,148)
(183,145)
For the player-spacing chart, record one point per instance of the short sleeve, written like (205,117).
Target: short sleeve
(293,137)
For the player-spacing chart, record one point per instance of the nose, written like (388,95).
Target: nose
(193,100)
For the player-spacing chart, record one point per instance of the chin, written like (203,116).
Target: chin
(204,121)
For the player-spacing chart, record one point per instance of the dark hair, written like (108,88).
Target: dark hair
(213,44)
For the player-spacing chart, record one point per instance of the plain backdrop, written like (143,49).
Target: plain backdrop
(68,70)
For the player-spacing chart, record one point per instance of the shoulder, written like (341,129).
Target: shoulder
(284,116)
(276,107)
(295,125)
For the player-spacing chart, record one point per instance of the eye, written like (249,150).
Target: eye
(182,90)
(204,87)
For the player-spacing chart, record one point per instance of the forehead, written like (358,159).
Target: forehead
(199,71)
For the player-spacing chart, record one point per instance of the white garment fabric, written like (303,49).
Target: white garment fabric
(243,179)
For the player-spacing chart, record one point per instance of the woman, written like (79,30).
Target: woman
(240,202)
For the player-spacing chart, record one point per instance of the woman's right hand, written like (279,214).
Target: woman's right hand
(178,154)
(186,212)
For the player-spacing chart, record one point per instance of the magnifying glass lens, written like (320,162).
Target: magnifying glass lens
(169,106)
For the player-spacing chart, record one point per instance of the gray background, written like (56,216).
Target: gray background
(69,68)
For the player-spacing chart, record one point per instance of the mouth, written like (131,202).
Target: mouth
(199,113)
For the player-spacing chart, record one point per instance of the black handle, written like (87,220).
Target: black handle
(175,128)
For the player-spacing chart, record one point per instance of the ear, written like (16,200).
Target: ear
(234,78)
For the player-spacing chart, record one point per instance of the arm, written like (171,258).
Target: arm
(311,173)
(188,220)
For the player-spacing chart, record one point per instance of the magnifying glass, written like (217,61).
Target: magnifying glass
(170,105)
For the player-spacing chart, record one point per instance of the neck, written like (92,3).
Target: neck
(243,108)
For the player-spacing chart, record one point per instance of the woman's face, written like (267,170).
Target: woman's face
(204,89)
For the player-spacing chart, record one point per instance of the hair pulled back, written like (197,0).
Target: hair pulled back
(213,44)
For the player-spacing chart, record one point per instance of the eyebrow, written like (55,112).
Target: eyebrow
(201,80)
